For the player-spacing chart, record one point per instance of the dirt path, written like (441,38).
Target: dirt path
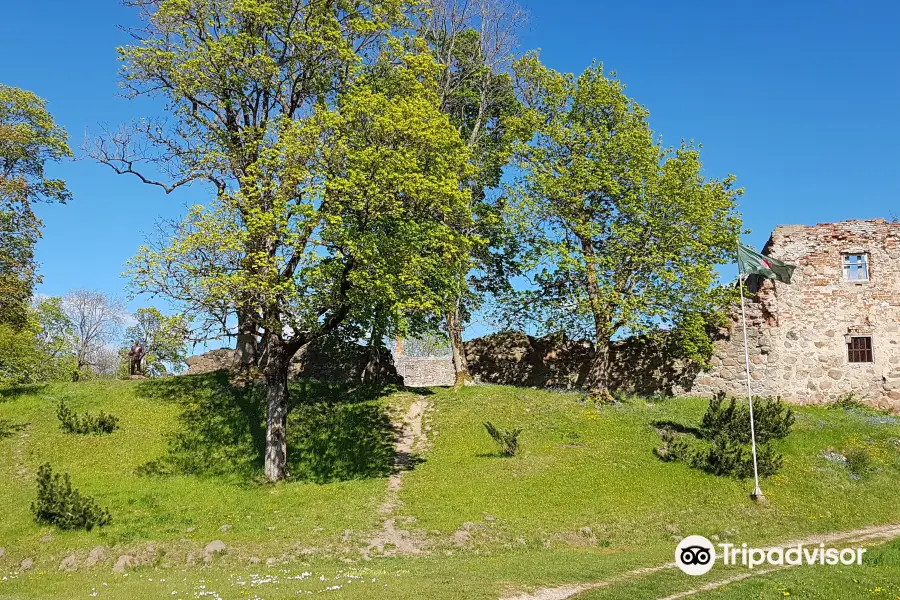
(875,533)
(390,540)
(22,470)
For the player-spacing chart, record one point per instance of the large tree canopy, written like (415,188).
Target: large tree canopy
(474,43)
(625,233)
(337,177)
(29,139)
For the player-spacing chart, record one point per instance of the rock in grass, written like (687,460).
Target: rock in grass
(124,561)
(2,552)
(225,528)
(95,556)
(213,548)
(26,565)
(46,538)
(69,563)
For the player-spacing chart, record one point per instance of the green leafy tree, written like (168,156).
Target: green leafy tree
(20,358)
(29,139)
(474,43)
(624,233)
(337,177)
(56,332)
(164,340)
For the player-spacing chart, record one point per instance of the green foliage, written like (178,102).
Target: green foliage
(28,140)
(58,504)
(723,456)
(478,94)
(338,179)
(18,235)
(164,340)
(32,352)
(859,461)
(507,439)
(720,446)
(624,234)
(847,401)
(72,422)
(20,359)
(730,419)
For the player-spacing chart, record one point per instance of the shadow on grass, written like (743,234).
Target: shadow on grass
(335,432)
(11,393)
(8,429)
(678,428)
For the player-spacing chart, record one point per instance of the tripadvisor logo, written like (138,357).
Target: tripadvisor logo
(695,555)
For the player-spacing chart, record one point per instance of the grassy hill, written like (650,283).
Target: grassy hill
(585,499)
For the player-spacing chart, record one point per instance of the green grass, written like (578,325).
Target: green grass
(584,499)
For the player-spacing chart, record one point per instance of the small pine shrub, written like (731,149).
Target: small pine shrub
(721,445)
(728,458)
(72,422)
(507,439)
(58,504)
(772,418)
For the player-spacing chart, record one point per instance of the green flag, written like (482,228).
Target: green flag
(751,262)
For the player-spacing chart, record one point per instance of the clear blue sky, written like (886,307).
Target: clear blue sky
(798,99)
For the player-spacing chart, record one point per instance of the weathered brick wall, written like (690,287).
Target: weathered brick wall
(798,348)
(425,371)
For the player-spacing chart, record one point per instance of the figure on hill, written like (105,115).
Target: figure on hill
(136,357)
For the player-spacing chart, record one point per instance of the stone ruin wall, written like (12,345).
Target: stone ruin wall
(797,332)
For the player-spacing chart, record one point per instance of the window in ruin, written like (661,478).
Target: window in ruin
(859,350)
(856,267)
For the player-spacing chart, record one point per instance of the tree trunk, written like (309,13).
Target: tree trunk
(460,364)
(276,376)
(598,377)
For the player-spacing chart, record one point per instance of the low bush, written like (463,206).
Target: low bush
(72,422)
(859,461)
(772,419)
(723,456)
(848,400)
(58,504)
(721,445)
(507,439)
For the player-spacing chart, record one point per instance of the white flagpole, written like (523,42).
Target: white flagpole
(757,493)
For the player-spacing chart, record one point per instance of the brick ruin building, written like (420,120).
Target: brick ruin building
(834,329)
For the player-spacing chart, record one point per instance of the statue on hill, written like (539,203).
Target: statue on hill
(136,357)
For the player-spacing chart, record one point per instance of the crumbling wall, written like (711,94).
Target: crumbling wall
(640,365)
(325,362)
(425,371)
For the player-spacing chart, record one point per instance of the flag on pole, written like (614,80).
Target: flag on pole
(751,262)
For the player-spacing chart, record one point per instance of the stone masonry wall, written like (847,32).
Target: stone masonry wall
(798,333)
(425,371)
